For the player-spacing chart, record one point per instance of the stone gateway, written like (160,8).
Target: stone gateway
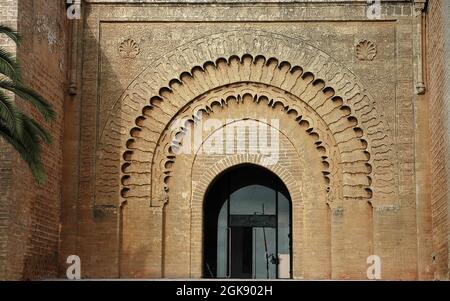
(234,139)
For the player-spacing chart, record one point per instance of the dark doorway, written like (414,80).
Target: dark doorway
(247,225)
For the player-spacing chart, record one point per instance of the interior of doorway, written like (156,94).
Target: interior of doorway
(247,225)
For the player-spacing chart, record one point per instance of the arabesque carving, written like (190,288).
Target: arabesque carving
(336,124)
(309,102)
(309,74)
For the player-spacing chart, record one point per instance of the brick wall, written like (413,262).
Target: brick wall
(28,213)
(8,16)
(438,52)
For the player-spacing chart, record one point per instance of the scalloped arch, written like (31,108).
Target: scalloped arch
(317,70)
(290,108)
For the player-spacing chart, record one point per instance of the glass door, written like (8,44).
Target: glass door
(264,253)
(253,225)
(241,252)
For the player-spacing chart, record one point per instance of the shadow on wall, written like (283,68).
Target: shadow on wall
(90,208)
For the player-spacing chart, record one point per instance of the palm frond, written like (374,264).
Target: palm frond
(35,130)
(11,33)
(31,155)
(9,66)
(30,96)
(9,115)
(24,133)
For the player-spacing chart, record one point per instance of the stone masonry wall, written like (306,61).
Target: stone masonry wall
(122,40)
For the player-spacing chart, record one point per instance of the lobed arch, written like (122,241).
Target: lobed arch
(279,76)
(319,71)
(245,158)
(305,193)
(292,108)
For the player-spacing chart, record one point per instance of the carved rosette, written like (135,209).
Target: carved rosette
(366,50)
(129,49)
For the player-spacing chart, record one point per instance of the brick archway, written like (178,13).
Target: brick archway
(198,62)
(292,159)
(340,117)
(199,195)
(322,99)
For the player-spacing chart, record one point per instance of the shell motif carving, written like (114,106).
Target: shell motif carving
(366,50)
(129,49)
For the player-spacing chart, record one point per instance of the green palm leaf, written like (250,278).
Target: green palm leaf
(22,132)
(9,115)
(31,96)
(9,66)
(35,130)
(11,33)
(28,150)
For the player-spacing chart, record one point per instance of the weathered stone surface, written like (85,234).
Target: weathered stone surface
(354,146)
